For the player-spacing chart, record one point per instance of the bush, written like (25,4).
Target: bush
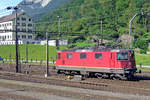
(143,51)
(142,44)
(81,44)
(84,44)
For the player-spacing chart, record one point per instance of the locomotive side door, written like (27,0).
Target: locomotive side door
(61,57)
(112,60)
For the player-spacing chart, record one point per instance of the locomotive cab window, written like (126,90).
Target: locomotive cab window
(122,56)
(59,55)
(82,55)
(98,55)
(69,55)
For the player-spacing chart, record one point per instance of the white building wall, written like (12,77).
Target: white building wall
(12,42)
(6,26)
(6,36)
(63,42)
(53,42)
(24,23)
(50,42)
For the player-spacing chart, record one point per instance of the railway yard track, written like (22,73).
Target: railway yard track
(139,87)
(131,87)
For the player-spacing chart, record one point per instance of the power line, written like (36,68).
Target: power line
(74,19)
(68,20)
(51,32)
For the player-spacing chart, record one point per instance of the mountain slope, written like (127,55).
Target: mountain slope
(40,7)
(84,16)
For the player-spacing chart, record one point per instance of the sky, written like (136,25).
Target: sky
(5,3)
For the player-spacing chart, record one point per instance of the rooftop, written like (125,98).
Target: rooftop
(9,17)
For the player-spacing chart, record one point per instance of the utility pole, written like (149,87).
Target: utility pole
(130,22)
(17,60)
(71,18)
(101,31)
(59,34)
(16,36)
(47,56)
(58,24)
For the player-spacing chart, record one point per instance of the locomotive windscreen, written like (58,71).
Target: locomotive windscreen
(122,56)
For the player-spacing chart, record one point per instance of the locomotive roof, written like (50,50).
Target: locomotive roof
(95,49)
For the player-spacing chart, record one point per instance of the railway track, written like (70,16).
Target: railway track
(104,85)
(48,80)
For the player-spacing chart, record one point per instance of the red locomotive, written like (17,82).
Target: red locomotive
(99,61)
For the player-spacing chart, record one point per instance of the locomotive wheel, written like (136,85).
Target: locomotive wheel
(58,72)
(116,78)
(119,77)
(99,75)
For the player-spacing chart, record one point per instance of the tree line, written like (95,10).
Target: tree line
(82,19)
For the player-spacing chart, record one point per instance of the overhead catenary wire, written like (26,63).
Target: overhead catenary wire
(51,32)
(67,20)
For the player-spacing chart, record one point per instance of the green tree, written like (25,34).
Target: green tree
(84,16)
(142,44)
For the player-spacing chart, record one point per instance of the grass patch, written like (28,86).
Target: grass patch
(143,59)
(35,52)
(144,69)
(38,52)
(148,49)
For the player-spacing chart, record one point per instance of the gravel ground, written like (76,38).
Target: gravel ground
(16,90)
(31,94)
(36,91)
(25,93)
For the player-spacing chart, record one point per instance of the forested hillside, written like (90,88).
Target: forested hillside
(84,16)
